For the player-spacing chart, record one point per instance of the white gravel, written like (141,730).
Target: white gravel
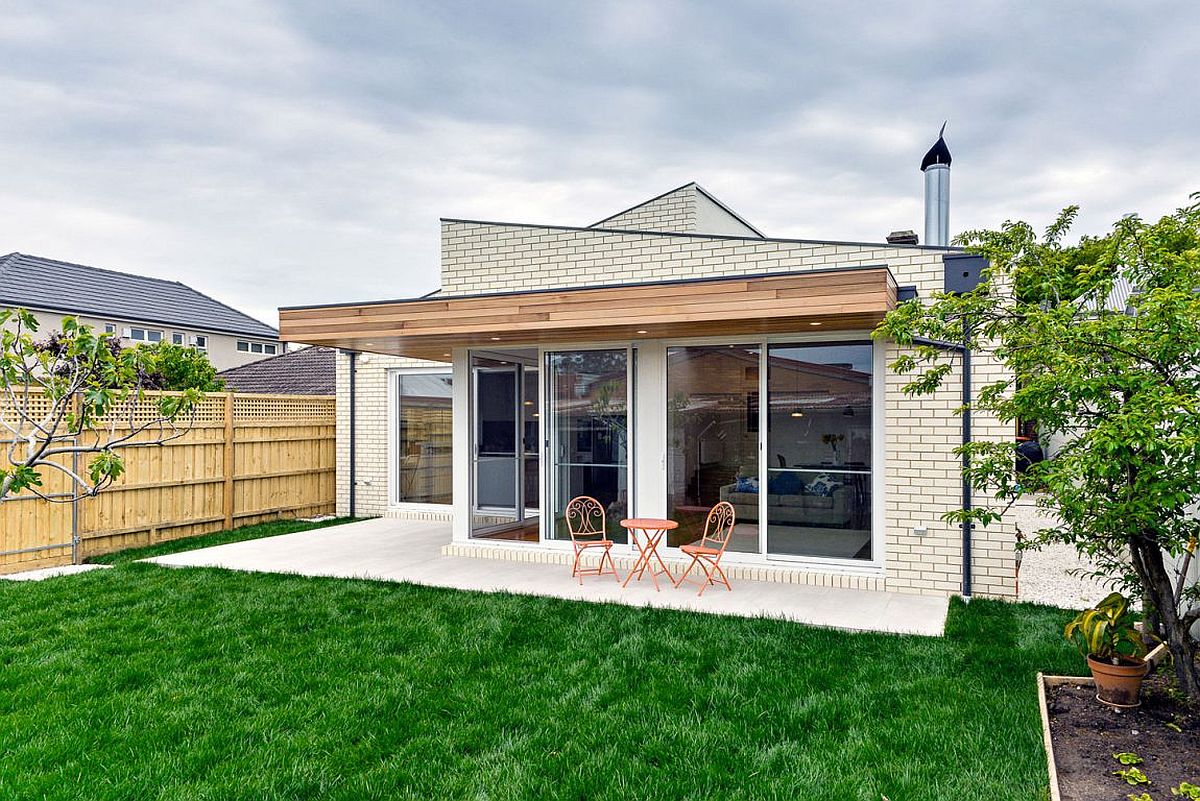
(1046,575)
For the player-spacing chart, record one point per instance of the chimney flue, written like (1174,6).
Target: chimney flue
(936,166)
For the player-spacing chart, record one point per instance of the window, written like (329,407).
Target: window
(712,439)
(257,347)
(143,335)
(424,427)
(819,451)
(109,328)
(177,338)
(200,342)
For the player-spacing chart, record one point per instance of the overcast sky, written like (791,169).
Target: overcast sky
(288,153)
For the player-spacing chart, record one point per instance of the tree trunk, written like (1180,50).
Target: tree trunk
(1148,562)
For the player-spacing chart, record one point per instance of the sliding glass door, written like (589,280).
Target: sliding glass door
(712,439)
(589,425)
(818,450)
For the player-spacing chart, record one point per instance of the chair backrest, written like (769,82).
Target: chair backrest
(718,528)
(585,519)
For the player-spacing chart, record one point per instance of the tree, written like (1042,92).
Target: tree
(78,393)
(1120,386)
(176,367)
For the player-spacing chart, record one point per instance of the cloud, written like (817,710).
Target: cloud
(275,154)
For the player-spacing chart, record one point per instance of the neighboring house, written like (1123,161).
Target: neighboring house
(133,307)
(662,360)
(308,371)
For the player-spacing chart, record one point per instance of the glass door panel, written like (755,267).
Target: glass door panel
(588,402)
(819,450)
(496,452)
(712,440)
(530,441)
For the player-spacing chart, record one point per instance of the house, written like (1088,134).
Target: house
(135,308)
(307,371)
(660,360)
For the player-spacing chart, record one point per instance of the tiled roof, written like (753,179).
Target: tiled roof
(309,371)
(37,283)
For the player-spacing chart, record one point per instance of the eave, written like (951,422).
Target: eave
(853,298)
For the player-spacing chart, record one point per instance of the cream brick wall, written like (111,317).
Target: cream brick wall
(486,257)
(676,211)
(372,430)
(922,476)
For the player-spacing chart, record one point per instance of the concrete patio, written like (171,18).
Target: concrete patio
(403,550)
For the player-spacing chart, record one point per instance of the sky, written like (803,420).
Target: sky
(274,154)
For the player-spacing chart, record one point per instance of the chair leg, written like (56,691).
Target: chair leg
(685,573)
(704,563)
(577,571)
(611,564)
(716,570)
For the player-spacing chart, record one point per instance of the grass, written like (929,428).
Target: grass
(153,683)
(272,529)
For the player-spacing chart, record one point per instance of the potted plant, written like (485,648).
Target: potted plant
(1106,635)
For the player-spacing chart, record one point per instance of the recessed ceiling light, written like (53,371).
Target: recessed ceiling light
(814,323)
(445,354)
(370,344)
(642,331)
(495,339)
(797,413)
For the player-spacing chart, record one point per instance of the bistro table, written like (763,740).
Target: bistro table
(652,530)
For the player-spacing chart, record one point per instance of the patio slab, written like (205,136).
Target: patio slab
(408,550)
(51,572)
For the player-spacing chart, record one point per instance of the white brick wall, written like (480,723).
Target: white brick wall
(676,211)
(372,431)
(922,475)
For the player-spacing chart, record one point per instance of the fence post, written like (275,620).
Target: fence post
(229,465)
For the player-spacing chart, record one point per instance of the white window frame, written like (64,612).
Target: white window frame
(146,334)
(393,439)
(200,341)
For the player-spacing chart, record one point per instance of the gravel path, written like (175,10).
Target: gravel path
(1045,576)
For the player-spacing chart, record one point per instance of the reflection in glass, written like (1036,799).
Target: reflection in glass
(424,431)
(819,450)
(589,430)
(712,440)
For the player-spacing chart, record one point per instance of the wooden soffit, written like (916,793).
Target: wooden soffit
(430,328)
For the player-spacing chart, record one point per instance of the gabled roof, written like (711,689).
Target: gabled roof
(309,371)
(685,209)
(49,285)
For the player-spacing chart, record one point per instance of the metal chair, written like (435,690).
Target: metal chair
(586,523)
(718,530)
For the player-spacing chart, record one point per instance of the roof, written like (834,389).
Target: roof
(47,284)
(309,371)
(679,210)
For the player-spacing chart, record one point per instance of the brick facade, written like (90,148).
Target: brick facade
(922,474)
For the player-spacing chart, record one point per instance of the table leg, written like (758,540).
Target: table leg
(641,558)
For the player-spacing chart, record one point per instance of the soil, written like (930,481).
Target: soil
(1087,733)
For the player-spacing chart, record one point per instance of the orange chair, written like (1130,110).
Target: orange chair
(718,530)
(585,521)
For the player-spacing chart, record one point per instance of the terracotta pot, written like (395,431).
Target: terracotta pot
(1118,685)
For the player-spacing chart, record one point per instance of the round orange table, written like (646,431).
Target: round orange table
(652,530)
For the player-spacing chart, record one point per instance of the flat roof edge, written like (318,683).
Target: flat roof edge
(689,235)
(583,287)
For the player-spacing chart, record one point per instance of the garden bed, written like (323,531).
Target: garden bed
(1082,735)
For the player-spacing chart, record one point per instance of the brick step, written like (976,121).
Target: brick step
(775,573)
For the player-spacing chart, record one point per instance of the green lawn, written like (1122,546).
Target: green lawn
(142,682)
(272,529)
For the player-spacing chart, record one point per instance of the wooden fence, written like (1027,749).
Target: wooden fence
(246,459)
